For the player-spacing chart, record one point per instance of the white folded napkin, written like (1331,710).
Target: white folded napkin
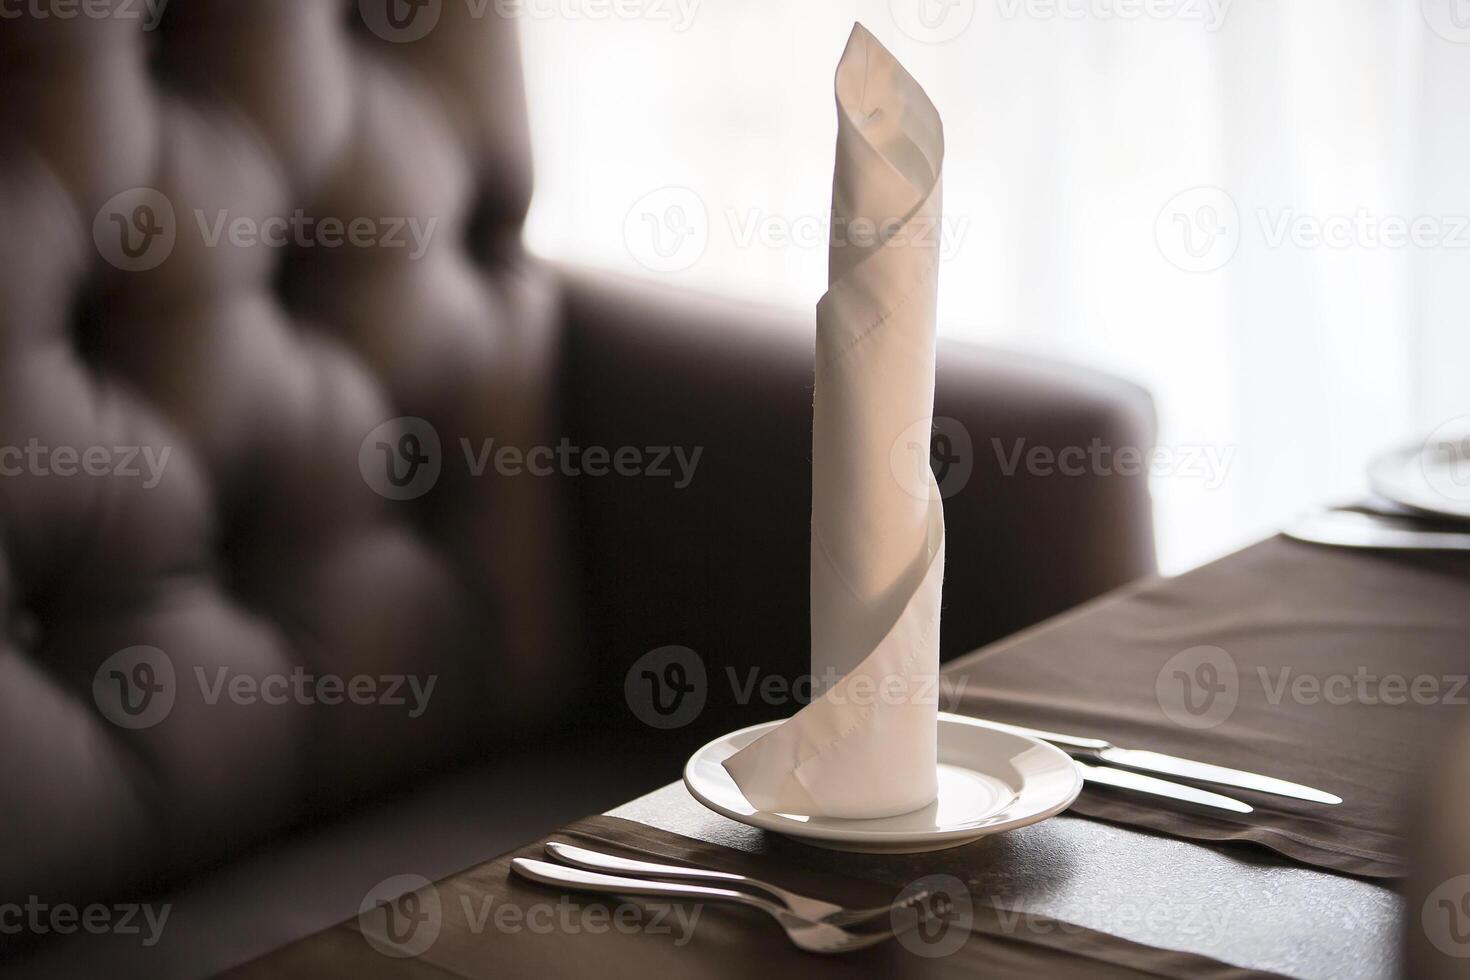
(866,747)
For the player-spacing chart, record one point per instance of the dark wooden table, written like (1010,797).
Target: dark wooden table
(1196,884)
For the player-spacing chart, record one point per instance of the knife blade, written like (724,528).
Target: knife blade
(1172,765)
(1207,772)
(1138,782)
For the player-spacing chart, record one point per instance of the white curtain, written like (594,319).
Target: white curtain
(1256,209)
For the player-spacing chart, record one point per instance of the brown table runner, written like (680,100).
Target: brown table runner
(1330,667)
(487,923)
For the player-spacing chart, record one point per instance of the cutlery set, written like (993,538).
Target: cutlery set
(811,924)
(823,927)
(1134,762)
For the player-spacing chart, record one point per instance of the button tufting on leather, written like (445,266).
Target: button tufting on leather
(191,359)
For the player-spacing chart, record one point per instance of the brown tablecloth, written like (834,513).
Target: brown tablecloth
(1331,667)
(487,923)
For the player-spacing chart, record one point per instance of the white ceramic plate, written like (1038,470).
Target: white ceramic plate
(989,781)
(1434,478)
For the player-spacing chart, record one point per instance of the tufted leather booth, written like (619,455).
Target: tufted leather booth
(191,493)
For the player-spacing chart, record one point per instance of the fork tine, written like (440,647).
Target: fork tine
(863,942)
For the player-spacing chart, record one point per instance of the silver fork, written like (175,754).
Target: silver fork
(814,937)
(802,905)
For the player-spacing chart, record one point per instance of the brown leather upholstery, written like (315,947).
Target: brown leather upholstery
(260,370)
(643,371)
(264,546)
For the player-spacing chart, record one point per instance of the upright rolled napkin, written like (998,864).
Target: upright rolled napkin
(866,745)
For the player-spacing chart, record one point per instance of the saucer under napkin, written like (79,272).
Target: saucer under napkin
(989,781)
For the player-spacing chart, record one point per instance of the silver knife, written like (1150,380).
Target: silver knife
(1138,782)
(1172,765)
